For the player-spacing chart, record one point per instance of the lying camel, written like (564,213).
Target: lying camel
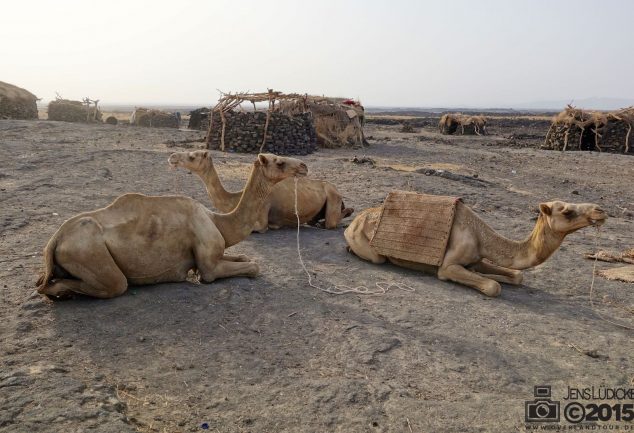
(476,255)
(316,199)
(140,239)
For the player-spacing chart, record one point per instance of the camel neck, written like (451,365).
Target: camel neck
(223,200)
(238,224)
(535,249)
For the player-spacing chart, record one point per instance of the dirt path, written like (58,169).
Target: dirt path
(273,355)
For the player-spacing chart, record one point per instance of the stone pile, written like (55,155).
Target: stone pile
(244,132)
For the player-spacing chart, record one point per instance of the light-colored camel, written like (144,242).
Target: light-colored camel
(140,239)
(316,199)
(476,255)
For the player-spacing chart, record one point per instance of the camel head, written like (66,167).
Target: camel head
(277,168)
(566,218)
(197,160)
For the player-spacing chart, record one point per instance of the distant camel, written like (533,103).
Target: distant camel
(139,239)
(476,255)
(316,199)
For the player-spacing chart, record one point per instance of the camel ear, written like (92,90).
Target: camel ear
(263,159)
(207,154)
(546,208)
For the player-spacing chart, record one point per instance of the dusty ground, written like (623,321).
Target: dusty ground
(272,354)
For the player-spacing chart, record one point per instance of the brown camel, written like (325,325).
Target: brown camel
(140,239)
(316,199)
(476,255)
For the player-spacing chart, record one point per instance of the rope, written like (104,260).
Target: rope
(594,270)
(382,286)
(175,178)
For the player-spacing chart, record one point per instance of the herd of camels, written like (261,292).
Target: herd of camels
(140,239)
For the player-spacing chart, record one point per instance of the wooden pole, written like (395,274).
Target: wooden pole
(94,116)
(266,123)
(209,128)
(87,102)
(224,126)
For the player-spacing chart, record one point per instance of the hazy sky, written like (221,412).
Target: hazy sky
(393,53)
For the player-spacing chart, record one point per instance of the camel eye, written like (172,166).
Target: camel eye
(567,212)
(281,165)
(191,157)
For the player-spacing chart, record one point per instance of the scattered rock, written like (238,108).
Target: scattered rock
(363,160)
(471,180)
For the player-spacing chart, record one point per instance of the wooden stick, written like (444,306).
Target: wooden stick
(548,135)
(222,133)
(627,139)
(95,114)
(266,124)
(209,128)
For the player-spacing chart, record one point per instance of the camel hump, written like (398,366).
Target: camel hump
(124,199)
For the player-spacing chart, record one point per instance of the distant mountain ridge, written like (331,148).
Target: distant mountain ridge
(594,103)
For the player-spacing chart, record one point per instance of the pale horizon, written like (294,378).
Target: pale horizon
(396,54)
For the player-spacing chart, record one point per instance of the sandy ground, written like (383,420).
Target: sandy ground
(272,354)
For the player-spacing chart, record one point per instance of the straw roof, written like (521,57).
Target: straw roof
(154,118)
(67,110)
(584,118)
(17,103)
(450,122)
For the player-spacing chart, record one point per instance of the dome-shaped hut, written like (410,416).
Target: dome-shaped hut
(17,103)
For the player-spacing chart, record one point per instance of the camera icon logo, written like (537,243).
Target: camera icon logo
(542,409)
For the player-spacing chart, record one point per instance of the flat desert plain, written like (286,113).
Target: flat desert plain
(272,354)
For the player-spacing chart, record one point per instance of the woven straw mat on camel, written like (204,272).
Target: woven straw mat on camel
(415,227)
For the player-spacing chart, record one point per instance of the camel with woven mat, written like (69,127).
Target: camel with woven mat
(140,239)
(441,235)
(316,199)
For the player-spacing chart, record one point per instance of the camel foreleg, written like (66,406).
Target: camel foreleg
(238,258)
(498,273)
(460,274)
(228,268)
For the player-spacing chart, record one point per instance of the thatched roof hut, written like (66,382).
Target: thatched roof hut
(451,123)
(66,110)
(17,103)
(337,122)
(576,129)
(154,118)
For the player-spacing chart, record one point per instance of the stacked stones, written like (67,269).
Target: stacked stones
(244,132)
(197,117)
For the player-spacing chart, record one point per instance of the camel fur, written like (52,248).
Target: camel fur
(140,239)
(316,199)
(476,255)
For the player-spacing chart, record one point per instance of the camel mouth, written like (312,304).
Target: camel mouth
(598,221)
(173,161)
(301,171)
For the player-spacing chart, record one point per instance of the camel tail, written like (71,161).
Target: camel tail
(49,263)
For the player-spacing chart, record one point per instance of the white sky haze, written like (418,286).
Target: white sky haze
(387,53)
